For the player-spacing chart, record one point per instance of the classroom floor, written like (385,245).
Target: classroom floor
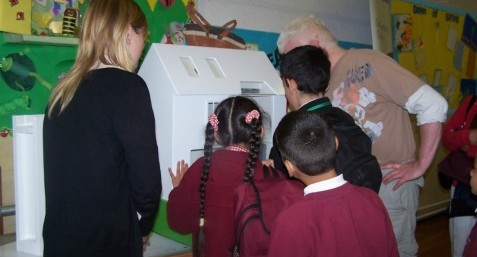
(432,235)
(6,239)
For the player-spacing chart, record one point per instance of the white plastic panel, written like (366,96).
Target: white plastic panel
(29,183)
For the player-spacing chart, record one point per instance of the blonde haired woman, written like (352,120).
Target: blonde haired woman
(102,176)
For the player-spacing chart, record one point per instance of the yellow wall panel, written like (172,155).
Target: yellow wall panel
(437,53)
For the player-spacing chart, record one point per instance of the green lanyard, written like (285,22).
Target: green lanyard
(318,106)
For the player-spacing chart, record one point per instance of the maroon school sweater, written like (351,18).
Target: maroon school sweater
(340,222)
(226,173)
(471,246)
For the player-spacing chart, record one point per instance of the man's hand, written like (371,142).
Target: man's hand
(402,172)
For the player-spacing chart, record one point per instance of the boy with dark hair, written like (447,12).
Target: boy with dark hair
(305,73)
(335,218)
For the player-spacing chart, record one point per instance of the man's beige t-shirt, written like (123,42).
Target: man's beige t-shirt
(373,88)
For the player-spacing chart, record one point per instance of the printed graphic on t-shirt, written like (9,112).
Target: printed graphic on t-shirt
(353,97)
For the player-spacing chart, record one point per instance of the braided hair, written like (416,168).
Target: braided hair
(232,129)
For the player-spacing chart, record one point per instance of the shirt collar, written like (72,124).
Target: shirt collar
(325,185)
(314,102)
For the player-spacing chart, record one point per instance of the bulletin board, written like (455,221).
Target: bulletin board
(438,46)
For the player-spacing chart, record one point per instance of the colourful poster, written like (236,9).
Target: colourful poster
(469,34)
(403,32)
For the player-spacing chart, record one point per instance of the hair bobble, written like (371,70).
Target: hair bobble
(254,114)
(214,122)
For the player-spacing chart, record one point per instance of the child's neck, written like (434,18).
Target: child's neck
(240,147)
(308,180)
(306,98)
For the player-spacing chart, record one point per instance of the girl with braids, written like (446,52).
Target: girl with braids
(201,201)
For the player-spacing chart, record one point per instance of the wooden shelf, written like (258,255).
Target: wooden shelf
(32,39)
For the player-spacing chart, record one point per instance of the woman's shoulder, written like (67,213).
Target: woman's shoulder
(116,75)
(115,82)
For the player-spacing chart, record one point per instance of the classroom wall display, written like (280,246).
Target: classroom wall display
(349,20)
(15,16)
(469,34)
(438,45)
(29,72)
(267,42)
(403,27)
(55,18)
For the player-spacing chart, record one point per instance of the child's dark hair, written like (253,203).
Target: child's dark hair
(309,66)
(308,141)
(232,128)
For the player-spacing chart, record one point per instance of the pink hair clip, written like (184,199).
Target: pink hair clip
(254,114)
(214,122)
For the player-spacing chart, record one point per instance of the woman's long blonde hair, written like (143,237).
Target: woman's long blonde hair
(102,39)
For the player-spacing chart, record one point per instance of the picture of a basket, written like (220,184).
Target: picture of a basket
(201,33)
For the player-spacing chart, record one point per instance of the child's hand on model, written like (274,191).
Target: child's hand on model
(182,167)
(268,163)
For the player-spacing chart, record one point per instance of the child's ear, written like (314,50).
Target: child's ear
(292,169)
(292,84)
(337,143)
